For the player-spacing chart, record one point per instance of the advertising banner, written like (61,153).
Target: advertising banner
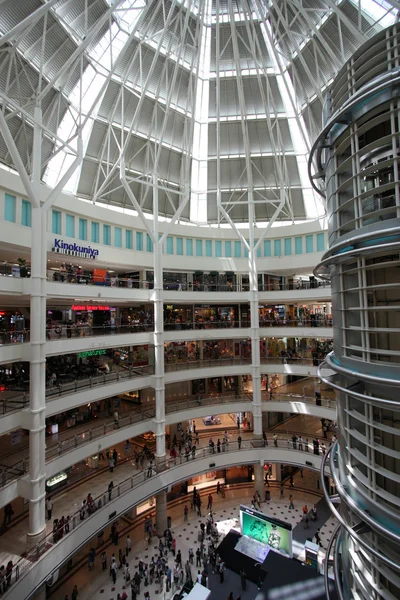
(267,530)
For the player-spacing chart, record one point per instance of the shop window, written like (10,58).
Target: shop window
(179,246)
(26,214)
(309,244)
(82,229)
(277,248)
(107,235)
(228,249)
(320,242)
(267,247)
(298,245)
(170,245)
(139,240)
(238,249)
(209,248)
(118,237)
(70,226)
(199,247)
(189,247)
(95,232)
(9,208)
(149,243)
(56,222)
(288,246)
(128,239)
(218,249)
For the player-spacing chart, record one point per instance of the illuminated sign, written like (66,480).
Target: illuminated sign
(90,307)
(91,353)
(267,530)
(61,247)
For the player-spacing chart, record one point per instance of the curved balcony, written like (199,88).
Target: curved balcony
(68,448)
(32,570)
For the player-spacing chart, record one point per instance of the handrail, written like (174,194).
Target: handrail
(75,331)
(141,415)
(126,486)
(61,389)
(196,286)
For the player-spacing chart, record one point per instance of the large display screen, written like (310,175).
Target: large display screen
(268,530)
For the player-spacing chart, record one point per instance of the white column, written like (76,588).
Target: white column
(259,479)
(255,336)
(161,512)
(159,385)
(37,400)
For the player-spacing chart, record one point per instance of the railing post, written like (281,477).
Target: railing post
(75,441)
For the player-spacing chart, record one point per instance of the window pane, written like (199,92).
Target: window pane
(149,243)
(309,244)
(82,229)
(298,245)
(208,247)
(70,226)
(218,249)
(258,249)
(199,247)
(267,247)
(118,237)
(238,249)
(170,245)
(179,246)
(26,216)
(95,232)
(277,248)
(107,235)
(128,239)
(228,249)
(189,247)
(9,208)
(139,240)
(56,222)
(320,242)
(288,246)
(245,252)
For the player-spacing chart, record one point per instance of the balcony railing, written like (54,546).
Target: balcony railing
(134,482)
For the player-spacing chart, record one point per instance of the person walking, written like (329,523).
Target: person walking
(282,491)
(128,545)
(104,560)
(275,438)
(49,508)
(210,502)
(8,513)
(291,505)
(185,513)
(113,570)
(243,579)
(317,538)
(239,441)
(111,464)
(110,489)
(221,571)
(74,595)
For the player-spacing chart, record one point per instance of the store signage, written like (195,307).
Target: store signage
(61,247)
(89,307)
(91,353)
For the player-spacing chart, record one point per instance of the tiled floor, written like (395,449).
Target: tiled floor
(226,512)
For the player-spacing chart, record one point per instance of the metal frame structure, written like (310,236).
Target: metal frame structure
(106,98)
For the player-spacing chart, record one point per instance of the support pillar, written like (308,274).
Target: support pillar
(161,513)
(259,479)
(37,394)
(159,385)
(255,347)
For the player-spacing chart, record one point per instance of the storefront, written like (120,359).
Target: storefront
(208,316)
(174,281)
(178,316)
(95,316)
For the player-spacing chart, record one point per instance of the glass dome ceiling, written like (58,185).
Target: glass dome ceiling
(202,109)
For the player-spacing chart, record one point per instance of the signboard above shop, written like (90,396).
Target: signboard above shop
(61,247)
(90,307)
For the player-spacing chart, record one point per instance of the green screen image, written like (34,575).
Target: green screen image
(267,530)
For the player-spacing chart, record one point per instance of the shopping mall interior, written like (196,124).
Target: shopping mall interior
(199,283)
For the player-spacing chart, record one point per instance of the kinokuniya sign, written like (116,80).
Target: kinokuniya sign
(61,247)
